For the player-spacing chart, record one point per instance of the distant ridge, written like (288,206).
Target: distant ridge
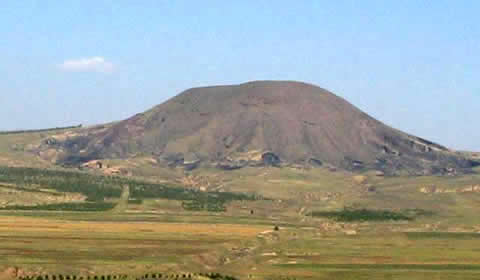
(39,130)
(263,123)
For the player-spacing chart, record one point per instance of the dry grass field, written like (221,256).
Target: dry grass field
(42,245)
(63,246)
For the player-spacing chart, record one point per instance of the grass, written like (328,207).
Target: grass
(443,235)
(374,272)
(110,246)
(79,207)
(374,255)
(389,267)
(34,190)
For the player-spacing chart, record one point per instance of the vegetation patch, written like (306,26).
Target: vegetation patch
(413,267)
(87,207)
(354,215)
(135,201)
(98,188)
(192,200)
(23,189)
(443,235)
(211,206)
(95,188)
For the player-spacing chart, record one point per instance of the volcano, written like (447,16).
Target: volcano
(279,123)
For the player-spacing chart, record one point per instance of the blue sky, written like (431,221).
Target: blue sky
(415,65)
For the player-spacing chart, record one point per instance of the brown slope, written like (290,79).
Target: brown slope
(286,122)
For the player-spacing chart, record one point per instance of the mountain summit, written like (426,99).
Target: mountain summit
(263,123)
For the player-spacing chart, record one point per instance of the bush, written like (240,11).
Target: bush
(135,201)
(352,215)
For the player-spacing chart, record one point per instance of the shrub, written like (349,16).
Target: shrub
(135,201)
(352,215)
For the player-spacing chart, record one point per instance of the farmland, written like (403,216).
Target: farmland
(79,244)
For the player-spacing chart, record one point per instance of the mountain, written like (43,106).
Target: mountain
(262,123)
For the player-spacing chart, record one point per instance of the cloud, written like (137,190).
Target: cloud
(90,64)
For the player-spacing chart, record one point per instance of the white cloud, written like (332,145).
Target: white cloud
(90,64)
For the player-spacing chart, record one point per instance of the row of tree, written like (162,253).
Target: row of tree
(148,276)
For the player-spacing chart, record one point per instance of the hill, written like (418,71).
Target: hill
(262,123)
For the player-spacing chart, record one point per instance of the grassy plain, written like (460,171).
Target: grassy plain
(158,234)
(66,247)
(94,243)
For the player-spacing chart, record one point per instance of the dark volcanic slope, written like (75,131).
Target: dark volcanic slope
(265,122)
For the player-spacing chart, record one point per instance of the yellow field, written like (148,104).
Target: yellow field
(9,225)
(63,246)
